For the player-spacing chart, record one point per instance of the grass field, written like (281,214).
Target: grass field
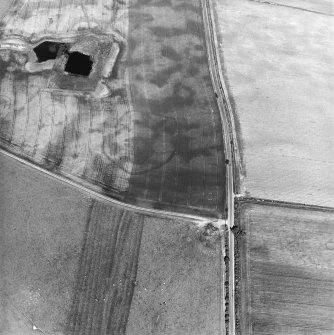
(179,281)
(41,231)
(70,264)
(149,133)
(286,271)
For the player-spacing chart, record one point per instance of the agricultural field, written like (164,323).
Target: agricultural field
(285,274)
(71,264)
(139,123)
(42,226)
(278,64)
(178,133)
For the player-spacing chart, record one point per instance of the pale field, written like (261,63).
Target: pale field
(287,271)
(279,67)
(41,224)
(179,281)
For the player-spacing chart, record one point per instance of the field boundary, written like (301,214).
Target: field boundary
(265,2)
(199,220)
(233,167)
(277,203)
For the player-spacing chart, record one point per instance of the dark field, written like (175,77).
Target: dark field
(73,265)
(287,271)
(155,139)
(178,135)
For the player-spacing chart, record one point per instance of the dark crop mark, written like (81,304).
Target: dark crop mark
(173,127)
(194,28)
(3,68)
(109,169)
(166,32)
(155,3)
(54,159)
(199,47)
(178,139)
(183,148)
(193,71)
(143,149)
(199,60)
(261,252)
(163,3)
(141,3)
(161,78)
(195,179)
(186,6)
(139,77)
(5,126)
(132,44)
(119,92)
(170,53)
(143,17)
(145,60)
(182,96)
(155,165)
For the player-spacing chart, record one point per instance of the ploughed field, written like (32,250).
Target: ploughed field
(285,277)
(141,124)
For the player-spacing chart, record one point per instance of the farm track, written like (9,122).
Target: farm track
(230,154)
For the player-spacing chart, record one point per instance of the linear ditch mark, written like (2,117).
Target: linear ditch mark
(277,203)
(292,7)
(107,272)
